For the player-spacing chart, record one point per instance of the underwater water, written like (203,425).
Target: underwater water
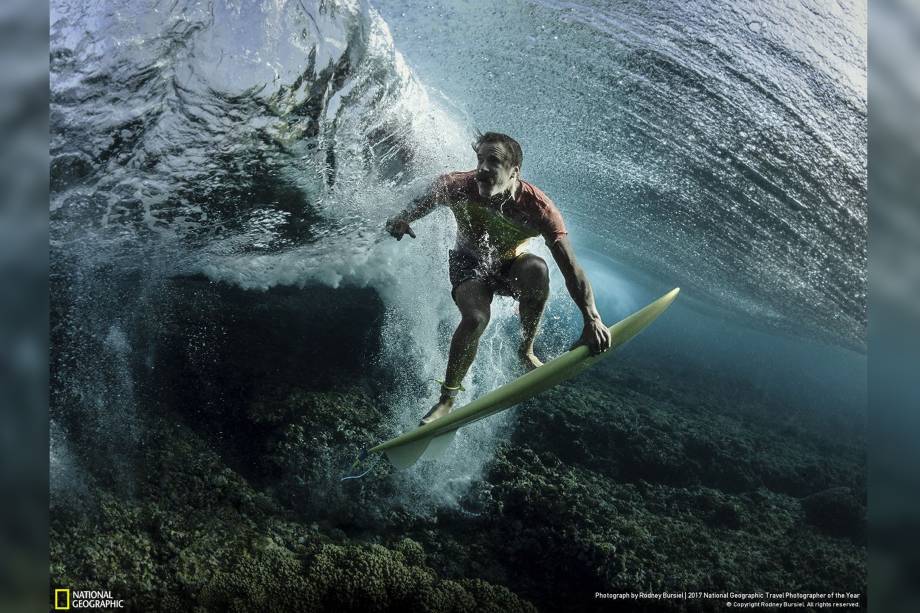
(221,173)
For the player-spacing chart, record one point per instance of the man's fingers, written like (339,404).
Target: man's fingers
(409,230)
(601,341)
(597,340)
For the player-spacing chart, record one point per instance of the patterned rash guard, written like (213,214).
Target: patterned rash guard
(494,233)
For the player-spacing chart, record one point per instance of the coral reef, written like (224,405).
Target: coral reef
(198,537)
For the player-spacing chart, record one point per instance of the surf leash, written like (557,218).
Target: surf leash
(361,458)
(448,390)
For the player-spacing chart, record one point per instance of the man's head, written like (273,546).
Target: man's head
(498,167)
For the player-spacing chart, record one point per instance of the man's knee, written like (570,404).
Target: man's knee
(473,298)
(475,321)
(532,275)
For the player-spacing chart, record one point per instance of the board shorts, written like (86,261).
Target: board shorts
(464,266)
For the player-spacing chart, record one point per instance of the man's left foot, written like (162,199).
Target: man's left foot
(438,411)
(529,360)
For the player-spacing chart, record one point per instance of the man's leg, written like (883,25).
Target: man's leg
(474,299)
(530,278)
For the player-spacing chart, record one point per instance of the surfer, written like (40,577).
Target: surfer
(497,212)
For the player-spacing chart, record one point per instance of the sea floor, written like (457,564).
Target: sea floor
(632,479)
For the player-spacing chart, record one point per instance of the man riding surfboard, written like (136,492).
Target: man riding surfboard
(497,212)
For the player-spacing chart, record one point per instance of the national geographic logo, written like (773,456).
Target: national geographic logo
(65,599)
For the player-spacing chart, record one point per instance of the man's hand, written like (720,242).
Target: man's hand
(398,228)
(595,335)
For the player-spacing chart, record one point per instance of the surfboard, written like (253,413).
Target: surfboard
(432,439)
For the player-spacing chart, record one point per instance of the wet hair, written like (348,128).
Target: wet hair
(517,155)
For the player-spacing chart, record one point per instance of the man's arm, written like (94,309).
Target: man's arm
(595,334)
(419,207)
(398,225)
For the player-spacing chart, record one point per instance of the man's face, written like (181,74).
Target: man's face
(494,171)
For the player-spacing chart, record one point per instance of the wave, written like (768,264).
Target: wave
(718,148)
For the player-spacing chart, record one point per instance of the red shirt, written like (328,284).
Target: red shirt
(491,231)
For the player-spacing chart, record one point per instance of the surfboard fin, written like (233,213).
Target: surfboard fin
(404,456)
(439,445)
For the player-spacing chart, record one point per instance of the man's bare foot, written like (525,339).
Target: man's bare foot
(441,409)
(529,360)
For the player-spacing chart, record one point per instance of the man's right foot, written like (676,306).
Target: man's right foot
(528,360)
(441,409)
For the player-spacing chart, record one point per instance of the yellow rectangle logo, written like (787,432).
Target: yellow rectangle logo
(58,606)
